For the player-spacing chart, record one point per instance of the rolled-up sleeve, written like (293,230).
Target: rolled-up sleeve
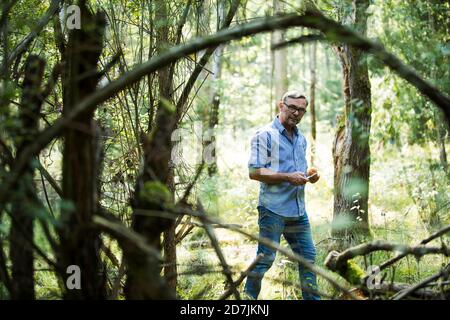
(260,150)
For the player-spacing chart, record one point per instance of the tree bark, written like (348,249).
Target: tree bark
(351,148)
(151,192)
(22,213)
(441,135)
(169,235)
(165,82)
(312,100)
(80,242)
(213,119)
(279,58)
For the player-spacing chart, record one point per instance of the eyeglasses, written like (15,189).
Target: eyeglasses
(293,108)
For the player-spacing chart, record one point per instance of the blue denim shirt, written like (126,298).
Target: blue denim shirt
(272,148)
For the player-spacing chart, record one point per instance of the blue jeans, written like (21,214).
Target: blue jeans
(297,233)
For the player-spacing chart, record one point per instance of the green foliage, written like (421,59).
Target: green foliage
(417,33)
(428,186)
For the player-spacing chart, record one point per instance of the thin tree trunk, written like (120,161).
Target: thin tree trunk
(151,192)
(165,82)
(224,22)
(351,149)
(441,135)
(169,241)
(304,60)
(80,243)
(213,119)
(312,100)
(279,58)
(22,213)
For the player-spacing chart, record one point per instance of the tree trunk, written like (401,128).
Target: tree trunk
(22,213)
(213,119)
(80,243)
(279,58)
(169,235)
(312,100)
(151,192)
(441,135)
(351,148)
(165,82)
(304,63)
(169,242)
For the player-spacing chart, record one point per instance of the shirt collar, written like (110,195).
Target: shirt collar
(277,124)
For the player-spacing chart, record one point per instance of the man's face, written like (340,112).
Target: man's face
(293,110)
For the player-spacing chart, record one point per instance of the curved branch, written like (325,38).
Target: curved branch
(180,105)
(310,19)
(443,273)
(435,235)
(352,38)
(366,248)
(299,40)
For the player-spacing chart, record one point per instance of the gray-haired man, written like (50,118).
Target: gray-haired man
(278,161)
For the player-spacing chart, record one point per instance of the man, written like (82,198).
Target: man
(278,161)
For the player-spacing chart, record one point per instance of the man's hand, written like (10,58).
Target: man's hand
(313,174)
(297,178)
(314,178)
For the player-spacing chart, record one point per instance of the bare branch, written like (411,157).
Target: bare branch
(111,63)
(300,40)
(435,235)
(57,69)
(110,255)
(126,235)
(340,263)
(50,179)
(443,273)
(395,288)
(192,183)
(369,247)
